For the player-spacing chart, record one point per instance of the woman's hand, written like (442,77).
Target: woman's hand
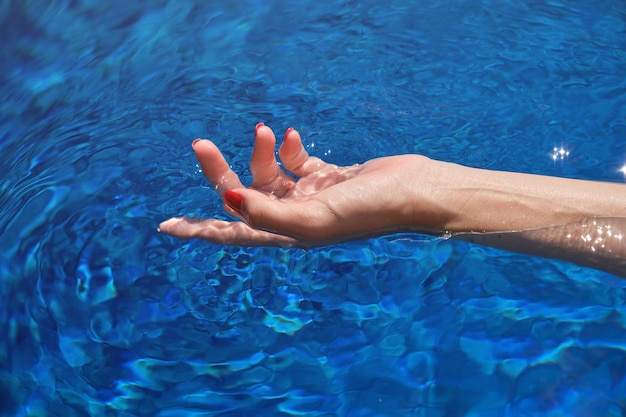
(323,204)
(578,221)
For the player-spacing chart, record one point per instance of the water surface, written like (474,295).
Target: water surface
(101,315)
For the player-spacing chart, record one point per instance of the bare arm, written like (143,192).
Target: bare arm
(583,222)
(594,242)
(323,204)
(485,201)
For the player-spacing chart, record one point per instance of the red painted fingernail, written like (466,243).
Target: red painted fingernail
(193,144)
(291,129)
(233,200)
(258,125)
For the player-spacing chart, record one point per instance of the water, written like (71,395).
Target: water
(101,315)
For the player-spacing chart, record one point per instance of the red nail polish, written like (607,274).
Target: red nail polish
(258,125)
(233,200)
(291,129)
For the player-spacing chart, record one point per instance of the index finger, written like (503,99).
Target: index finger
(224,233)
(215,167)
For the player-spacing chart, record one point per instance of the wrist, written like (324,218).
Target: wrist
(432,203)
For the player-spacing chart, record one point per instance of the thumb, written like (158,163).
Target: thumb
(304,220)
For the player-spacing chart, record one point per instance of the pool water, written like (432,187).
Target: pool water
(100,315)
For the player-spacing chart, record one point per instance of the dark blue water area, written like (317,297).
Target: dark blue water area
(100,315)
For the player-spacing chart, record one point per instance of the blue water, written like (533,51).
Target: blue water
(100,315)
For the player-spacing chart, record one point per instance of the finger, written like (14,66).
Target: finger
(263,165)
(267,175)
(295,158)
(223,233)
(215,167)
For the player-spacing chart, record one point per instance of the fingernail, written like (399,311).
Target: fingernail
(193,144)
(291,129)
(233,200)
(258,125)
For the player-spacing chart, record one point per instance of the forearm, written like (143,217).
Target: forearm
(574,220)
(594,242)
(489,201)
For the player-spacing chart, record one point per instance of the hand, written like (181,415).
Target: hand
(324,204)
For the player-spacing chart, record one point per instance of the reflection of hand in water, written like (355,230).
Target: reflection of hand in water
(326,203)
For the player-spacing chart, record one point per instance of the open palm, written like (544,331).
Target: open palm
(324,203)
